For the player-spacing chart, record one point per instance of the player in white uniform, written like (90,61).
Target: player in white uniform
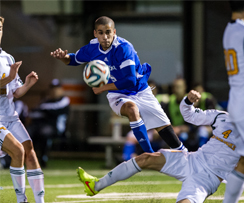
(233,44)
(201,172)
(14,138)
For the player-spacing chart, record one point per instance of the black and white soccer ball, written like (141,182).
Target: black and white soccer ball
(96,73)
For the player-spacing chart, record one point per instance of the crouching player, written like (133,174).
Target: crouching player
(201,172)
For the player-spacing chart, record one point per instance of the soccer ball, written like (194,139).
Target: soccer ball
(96,73)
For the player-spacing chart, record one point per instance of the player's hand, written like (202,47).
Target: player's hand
(59,53)
(97,90)
(31,79)
(14,68)
(193,96)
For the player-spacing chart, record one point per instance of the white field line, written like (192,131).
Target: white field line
(92,172)
(117,184)
(129,196)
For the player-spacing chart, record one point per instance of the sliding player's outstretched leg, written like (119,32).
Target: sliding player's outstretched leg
(88,181)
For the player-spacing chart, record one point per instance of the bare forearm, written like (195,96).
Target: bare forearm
(99,90)
(65,60)
(110,86)
(22,91)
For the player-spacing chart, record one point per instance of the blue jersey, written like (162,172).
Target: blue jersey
(126,71)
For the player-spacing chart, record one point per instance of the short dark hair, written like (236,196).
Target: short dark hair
(1,19)
(104,20)
(236,6)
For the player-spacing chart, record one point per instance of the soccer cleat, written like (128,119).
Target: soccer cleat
(88,181)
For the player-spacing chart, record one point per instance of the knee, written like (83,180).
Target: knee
(18,153)
(131,110)
(30,155)
(143,160)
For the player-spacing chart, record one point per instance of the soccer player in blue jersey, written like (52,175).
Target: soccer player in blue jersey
(128,91)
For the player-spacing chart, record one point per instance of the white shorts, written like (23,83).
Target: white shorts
(240,139)
(198,183)
(150,110)
(17,129)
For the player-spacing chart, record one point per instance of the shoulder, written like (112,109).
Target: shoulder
(8,56)
(94,41)
(123,46)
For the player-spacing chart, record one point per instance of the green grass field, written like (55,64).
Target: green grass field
(62,186)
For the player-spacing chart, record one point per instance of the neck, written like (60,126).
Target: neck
(237,15)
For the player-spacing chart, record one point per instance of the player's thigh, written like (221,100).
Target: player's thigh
(116,101)
(18,131)
(198,186)
(177,165)
(151,111)
(12,146)
(240,165)
(153,161)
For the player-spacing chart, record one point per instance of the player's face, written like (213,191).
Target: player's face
(105,35)
(1,31)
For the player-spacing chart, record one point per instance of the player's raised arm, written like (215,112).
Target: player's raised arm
(14,68)
(61,55)
(194,115)
(30,80)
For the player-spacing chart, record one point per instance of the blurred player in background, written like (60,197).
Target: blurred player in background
(233,44)
(201,172)
(128,91)
(49,121)
(11,126)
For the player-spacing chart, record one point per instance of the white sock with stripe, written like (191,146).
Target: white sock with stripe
(120,172)
(234,187)
(36,181)
(18,178)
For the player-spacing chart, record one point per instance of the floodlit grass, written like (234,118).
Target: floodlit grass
(61,180)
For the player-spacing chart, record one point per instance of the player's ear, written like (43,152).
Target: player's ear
(114,31)
(95,33)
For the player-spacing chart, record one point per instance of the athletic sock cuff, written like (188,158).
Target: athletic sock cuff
(133,160)
(238,174)
(17,171)
(135,124)
(34,173)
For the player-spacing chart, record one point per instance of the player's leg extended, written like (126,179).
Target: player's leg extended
(34,173)
(16,151)
(125,170)
(167,133)
(235,183)
(235,180)
(130,110)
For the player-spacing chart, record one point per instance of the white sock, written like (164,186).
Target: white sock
(18,178)
(120,172)
(36,181)
(234,187)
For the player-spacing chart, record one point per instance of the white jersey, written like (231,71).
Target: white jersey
(219,154)
(7,109)
(233,43)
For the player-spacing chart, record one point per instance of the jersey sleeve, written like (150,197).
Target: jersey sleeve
(80,57)
(197,116)
(125,59)
(16,82)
